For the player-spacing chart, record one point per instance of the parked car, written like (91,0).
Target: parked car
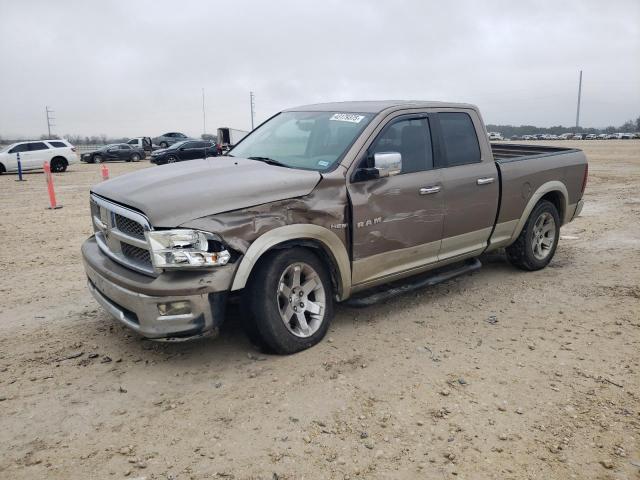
(528,137)
(317,205)
(576,136)
(143,143)
(591,136)
(33,153)
(189,150)
(170,138)
(495,136)
(113,152)
(229,137)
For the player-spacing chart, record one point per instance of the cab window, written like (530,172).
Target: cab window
(411,138)
(459,137)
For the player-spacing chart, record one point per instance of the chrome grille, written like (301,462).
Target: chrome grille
(136,254)
(120,234)
(128,226)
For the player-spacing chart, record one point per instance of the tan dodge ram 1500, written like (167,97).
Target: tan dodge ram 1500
(321,204)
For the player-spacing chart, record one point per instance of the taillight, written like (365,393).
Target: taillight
(586,175)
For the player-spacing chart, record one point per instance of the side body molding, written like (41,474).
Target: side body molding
(332,245)
(552,186)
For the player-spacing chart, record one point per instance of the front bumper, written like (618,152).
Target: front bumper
(133,298)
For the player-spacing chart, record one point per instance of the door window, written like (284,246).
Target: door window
(459,138)
(20,148)
(411,138)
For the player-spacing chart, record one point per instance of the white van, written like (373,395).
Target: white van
(59,153)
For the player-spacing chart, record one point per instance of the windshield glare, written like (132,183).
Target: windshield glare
(305,140)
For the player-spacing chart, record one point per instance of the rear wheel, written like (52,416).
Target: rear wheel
(289,301)
(135,157)
(58,164)
(172,159)
(536,245)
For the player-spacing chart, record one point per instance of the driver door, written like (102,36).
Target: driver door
(397,221)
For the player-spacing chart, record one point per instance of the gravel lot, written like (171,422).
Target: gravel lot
(501,374)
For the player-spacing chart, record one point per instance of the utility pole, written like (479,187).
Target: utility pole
(579,95)
(204,118)
(252,102)
(50,119)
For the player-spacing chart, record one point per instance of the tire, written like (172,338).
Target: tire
(536,245)
(172,159)
(59,164)
(2,169)
(135,157)
(97,159)
(164,144)
(274,292)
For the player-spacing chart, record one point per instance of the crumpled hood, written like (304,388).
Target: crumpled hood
(170,195)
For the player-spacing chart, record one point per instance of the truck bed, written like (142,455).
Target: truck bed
(503,152)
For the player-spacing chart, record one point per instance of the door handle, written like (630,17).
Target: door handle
(485,180)
(429,190)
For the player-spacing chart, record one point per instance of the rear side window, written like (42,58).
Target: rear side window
(38,146)
(409,137)
(57,144)
(460,139)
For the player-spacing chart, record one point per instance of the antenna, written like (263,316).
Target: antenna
(252,102)
(579,95)
(50,120)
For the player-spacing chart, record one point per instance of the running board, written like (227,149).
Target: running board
(379,294)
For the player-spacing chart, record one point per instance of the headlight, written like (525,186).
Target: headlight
(186,249)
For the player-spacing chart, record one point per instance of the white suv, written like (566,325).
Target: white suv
(59,153)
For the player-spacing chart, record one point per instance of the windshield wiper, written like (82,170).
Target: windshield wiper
(270,161)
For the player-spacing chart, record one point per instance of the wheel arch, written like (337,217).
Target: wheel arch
(554,191)
(61,157)
(327,243)
(3,168)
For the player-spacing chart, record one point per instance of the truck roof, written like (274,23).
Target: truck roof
(375,106)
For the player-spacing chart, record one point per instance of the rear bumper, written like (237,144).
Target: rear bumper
(133,298)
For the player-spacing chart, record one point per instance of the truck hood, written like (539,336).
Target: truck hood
(170,195)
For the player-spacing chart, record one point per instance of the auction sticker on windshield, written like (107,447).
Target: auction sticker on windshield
(347,117)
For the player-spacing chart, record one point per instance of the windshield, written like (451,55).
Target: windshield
(6,148)
(176,145)
(305,140)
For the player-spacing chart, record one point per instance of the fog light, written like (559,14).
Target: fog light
(183,307)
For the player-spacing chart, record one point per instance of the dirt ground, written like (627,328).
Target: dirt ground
(501,374)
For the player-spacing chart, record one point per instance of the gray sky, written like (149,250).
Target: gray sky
(128,68)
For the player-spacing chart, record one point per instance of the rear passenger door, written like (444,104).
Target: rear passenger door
(396,222)
(471,183)
(38,154)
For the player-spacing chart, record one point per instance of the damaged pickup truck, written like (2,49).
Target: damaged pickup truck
(318,205)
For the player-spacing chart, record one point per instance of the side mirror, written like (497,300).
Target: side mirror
(387,163)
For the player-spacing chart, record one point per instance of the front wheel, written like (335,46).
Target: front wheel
(536,245)
(289,301)
(172,159)
(164,144)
